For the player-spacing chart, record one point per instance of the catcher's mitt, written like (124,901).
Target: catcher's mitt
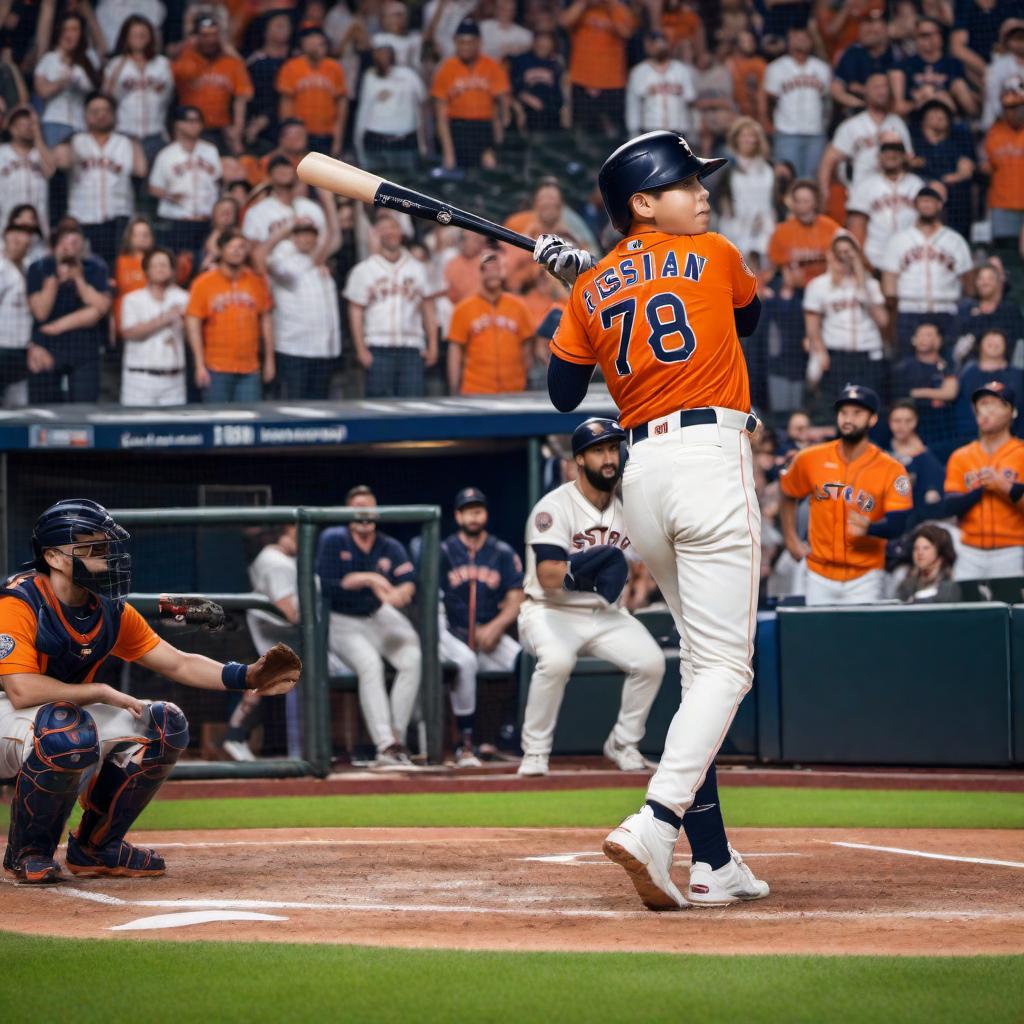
(191,611)
(276,672)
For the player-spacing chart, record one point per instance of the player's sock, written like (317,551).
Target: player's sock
(237,733)
(703,824)
(665,814)
(466,722)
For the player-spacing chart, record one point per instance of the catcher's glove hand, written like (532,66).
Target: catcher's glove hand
(276,672)
(562,259)
(191,611)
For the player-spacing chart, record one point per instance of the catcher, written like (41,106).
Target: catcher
(58,728)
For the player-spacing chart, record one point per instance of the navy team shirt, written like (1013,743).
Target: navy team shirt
(474,583)
(338,554)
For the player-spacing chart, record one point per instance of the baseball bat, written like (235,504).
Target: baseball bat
(344,179)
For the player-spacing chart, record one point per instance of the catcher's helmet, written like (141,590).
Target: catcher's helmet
(647,162)
(596,430)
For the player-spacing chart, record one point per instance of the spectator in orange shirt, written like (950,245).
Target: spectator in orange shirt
(1004,161)
(312,88)
(747,67)
(217,83)
(684,29)
(598,32)
(471,94)
(490,338)
(799,245)
(462,271)
(229,311)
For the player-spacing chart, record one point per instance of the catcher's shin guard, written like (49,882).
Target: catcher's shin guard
(64,746)
(119,793)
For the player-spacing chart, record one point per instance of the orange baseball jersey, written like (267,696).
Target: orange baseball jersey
(314,92)
(657,314)
(597,56)
(874,484)
(1004,150)
(211,85)
(994,522)
(230,311)
(469,90)
(128,277)
(803,246)
(493,336)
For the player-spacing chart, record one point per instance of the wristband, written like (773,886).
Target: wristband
(233,676)
(1016,492)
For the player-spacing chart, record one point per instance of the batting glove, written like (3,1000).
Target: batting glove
(561,259)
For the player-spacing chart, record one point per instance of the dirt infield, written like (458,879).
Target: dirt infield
(920,891)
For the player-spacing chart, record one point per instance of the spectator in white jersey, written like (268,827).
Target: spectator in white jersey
(285,202)
(15,317)
(392,317)
(501,37)
(26,165)
(64,77)
(745,192)
(659,90)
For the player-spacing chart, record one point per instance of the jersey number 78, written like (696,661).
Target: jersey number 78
(625,312)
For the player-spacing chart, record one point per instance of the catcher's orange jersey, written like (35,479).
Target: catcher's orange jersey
(994,522)
(657,314)
(874,484)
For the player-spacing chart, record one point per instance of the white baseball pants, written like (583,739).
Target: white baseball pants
(556,637)
(468,662)
(363,644)
(149,389)
(693,517)
(866,589)
(988,563)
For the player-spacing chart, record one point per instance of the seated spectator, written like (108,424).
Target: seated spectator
(797,435)
(659,91)
(991,310)
(129,276)
(930,74)
(69,296)
(799,246)
(490,338)
(989,361)
(872,54)
(538,87)
(1004,163)
(930,381)
(228,319)
(63,78)
(923,467)
(501,37)
(930,580)
(471,97)
(1008,64)
(153,329)
(366,577)
(945,152)
(15,317)
(747,68)
(26,166)
(975,30)
(744,194)
(262,67)
(312,88)
(925,268)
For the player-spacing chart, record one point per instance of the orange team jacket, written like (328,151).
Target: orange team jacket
(597,57)
(314,92)
(469,90)
(994,522)
(802,247)
(873,485)
(657,314)
(493,338)
(1004,149)
(230,311)
(211,85)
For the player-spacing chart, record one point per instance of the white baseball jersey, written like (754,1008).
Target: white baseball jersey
(846,324)
(143,94)
(501,41)
(800,91)
(928,269)
(407,48)
(660,97)
(565,519)
(391,292)
(751,219)
(857,138)
(452,13)
(267,214)
(274,575)
(68,105)
(15,317)
(389,104)
(888,204)
(306,320)
(100,187)
(164,349)
(22,181)
(194,175)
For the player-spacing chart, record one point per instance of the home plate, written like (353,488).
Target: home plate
(183,920)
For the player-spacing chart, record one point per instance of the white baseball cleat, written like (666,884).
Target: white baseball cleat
(465,758)
(731,883)
(643,846)
(533,765)
(626,757)
(238,750)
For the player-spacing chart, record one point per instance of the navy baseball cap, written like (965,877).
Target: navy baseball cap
(856,394)
(470,496)
(997,389)
(468,27)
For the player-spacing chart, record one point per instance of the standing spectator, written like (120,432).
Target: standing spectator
(490,338)
(217,83)
(794,91)
(441,21)
(312,88)
(69,296)
(598,32)
(747,68)
(15,318)
(462,271)
(501,37)
(141,82)
(989,361)
(101,164)
(881,204)
(185,179)
(930,381)
(799,246)
(389,118)
(539,87)
(228,316)
(858,139)
(225,216)
(262,67)
(745,194)
(26,165)
(715,105)
(112,14)
(1004,162)
(391,316)
(1009,64)
(930,580)
(845,314)
(992,311)
(781,338)
(366,578)
(873,54)
(925,268)
(129,276)
(945,152)
(984,488)
(307,328)
(838,25)
(659,91)
(471,97)
(930,74)
(153,329)
(681,22)
(63,78)
(976,26)
(407,46)
(927,474)
(283,203)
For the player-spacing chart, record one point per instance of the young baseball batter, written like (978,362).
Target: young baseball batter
(662,314)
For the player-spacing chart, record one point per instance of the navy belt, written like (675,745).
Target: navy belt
(688,418)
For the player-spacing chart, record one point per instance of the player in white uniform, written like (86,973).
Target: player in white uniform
(659,90)
(568,613)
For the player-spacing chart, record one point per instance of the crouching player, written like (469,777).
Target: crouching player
(62,734)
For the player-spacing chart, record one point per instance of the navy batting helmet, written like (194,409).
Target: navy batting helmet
(647,162)
(596,430)
(66,523)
